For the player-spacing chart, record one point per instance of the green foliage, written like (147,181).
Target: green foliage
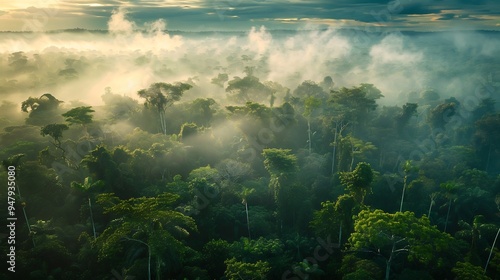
(246,271)
(441,114)
(378,231)
(279,161)
(241,90)
(358,181)
(148,221)
(467,271)
(54,130)
(79,115)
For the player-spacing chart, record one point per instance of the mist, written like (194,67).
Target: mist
(78,66)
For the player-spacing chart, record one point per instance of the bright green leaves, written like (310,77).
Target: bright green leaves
(378,231)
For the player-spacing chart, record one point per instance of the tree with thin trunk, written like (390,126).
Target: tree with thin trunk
(450,190)
(310,104)
(339,128)
(407,168)
(491,251)
(433,197)
(90,188)
(161,96)
(244,195)
(56,132)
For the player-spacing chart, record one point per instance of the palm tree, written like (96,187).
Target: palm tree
(406,169)
(450,189)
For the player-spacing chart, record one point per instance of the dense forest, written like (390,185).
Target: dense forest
(227,173)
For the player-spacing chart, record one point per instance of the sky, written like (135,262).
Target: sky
(210,15)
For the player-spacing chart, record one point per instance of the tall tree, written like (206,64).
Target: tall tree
(149,221)
(389,235)
(310,103)
(161,96)
(245,193)
(79,115)
(449,191)
(487,137)
(56,132)
(42,110)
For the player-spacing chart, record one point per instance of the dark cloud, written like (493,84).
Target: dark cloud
(419,9)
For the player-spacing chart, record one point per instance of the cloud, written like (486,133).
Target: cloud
(119,24)
(242,15)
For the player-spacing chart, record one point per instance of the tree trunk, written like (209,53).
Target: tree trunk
(149,262)
(491,251)
(92,219)
(248,221)
(158,268)
(309,134)
(447,215)
(334,148)
(430,209)
(403,195)
(25,215)
(389,261)
(340,234)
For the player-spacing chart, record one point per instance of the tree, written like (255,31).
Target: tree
(41,109)
(220,79)
(353,103)
(147,220)
(475,231)
(487,136)
(90,188)
(468,271)
(388,235)
(441,115)
(358,181)
(491,251)
(409,110)
(15,161)
(450,189)
(281,164)
(310,103)
(248,88)
(407,168)
(245,193)
(333,215)
(56,132)
(237,270)
(161,96)
(79,115)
